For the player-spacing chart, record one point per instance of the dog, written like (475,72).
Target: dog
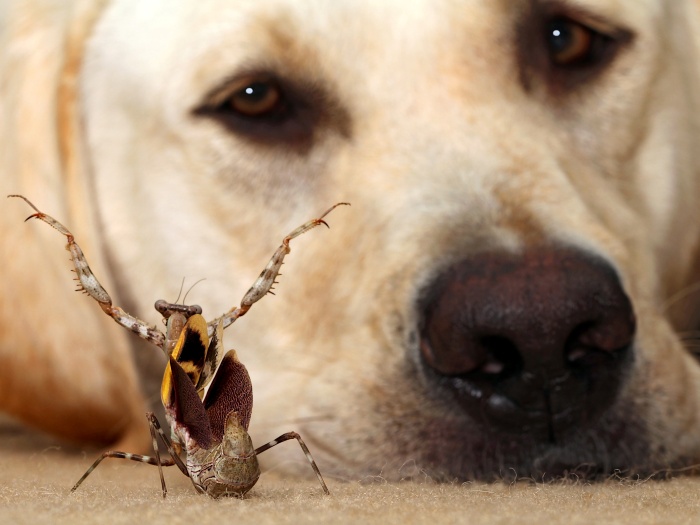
(514,288)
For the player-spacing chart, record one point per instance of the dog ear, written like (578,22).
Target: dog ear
(65,368)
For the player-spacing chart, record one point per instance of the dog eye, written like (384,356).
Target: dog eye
(562,49)
(251,97)
(271,109)
(256,99)
(570,43)
(263,108)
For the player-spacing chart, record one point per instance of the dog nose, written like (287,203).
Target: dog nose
(535,343)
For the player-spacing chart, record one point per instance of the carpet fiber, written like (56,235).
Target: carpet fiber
(36,477)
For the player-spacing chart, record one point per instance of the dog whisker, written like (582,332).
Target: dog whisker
(680,295)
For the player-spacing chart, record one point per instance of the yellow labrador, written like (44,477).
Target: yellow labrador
(513,287)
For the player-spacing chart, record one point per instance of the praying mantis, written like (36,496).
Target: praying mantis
(207,395)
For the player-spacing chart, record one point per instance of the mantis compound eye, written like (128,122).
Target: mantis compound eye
(167,309)
(162,307)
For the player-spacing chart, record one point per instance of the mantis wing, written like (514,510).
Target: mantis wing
(231,390)
(182,401)
(212,359)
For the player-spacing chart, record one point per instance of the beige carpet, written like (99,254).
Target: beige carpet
(35,477)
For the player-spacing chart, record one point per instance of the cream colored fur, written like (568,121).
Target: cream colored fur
(444,153)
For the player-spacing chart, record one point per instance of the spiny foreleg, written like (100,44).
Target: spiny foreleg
(88,283)
(263,284)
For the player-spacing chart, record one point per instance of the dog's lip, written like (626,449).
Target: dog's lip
(546,419)
(465,450)
(503,413)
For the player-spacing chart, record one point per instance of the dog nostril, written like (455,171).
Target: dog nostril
(538,341)
(578,346)
(502,357)
(593,343)
(491,356)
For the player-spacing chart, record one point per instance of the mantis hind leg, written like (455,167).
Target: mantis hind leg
(151,460)
(287,437)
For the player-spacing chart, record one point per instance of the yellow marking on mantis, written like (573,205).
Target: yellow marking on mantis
(190,353)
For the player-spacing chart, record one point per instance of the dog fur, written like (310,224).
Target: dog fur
(448,136)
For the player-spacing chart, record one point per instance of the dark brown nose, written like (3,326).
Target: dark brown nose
(534,343)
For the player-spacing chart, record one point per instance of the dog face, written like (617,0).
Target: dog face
(523,184)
